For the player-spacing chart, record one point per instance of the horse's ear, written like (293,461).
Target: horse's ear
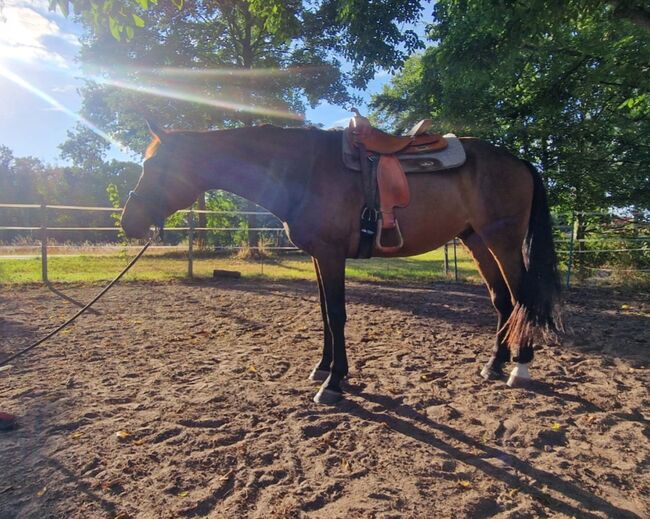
(156,130)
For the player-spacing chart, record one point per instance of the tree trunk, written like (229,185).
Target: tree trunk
(248,119)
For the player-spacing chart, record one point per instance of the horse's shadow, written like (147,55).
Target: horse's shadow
(588,313)
(433,300)
(407,421)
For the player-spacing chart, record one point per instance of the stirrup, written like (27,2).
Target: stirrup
(393,248)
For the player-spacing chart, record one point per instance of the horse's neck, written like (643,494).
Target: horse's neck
(260,165)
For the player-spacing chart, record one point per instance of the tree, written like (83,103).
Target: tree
(27,180)
(84,149)
(368,34)
(560,83)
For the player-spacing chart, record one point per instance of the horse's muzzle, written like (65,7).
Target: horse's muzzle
(135,222)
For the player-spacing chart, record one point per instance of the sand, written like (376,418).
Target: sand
(192,400)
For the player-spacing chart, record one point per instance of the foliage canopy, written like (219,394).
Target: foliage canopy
(565,84)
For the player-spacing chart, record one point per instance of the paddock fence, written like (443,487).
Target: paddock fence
(607,245)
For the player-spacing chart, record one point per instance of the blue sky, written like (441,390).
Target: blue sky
(39,78)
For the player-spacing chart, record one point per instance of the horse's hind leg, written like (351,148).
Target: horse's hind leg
(500,296)
(322,370)
(504,241)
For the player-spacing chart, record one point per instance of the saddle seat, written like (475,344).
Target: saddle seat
(360,131)
(391,179)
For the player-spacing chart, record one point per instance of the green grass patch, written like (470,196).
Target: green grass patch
(89,268)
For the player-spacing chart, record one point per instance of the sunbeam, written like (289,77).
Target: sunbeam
(199,99)
(8,74)
(180,72)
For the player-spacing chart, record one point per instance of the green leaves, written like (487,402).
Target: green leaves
(115,27)
(637,106)
(139,22)
(120,17)
(562,84)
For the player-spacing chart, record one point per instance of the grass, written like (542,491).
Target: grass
(100,267)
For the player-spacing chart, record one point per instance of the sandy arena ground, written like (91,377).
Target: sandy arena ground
(192,400)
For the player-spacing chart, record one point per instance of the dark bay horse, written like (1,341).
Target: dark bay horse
(495,203)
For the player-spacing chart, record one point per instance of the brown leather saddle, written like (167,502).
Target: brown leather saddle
(385,177)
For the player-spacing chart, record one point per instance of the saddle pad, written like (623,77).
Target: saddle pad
(452,156)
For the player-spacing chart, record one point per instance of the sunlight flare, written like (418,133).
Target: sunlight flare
(181,72)
(8,74)
(192,97)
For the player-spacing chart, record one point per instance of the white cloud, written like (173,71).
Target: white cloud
(31,34)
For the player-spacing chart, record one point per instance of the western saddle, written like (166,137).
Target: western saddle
(382,175)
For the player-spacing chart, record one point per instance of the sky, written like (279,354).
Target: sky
(40,76)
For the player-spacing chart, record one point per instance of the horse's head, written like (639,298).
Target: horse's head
(166,185)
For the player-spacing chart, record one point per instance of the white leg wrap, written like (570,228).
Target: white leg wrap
(518,375)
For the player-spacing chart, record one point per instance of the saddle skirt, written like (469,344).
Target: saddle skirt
(453,156)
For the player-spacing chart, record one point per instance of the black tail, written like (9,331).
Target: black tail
(539,292)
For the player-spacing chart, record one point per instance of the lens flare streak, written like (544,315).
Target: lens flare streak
(223,72)
(197,98)
(55,104)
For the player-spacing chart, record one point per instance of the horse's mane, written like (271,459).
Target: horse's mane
(152,148)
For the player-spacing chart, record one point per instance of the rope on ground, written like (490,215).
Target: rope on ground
(92,302)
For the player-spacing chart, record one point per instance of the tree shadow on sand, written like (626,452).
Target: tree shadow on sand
(514,471)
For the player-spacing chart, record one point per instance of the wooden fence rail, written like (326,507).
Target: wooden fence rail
(569,231)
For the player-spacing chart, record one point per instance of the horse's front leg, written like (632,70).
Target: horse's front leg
(331,270)
(322,370)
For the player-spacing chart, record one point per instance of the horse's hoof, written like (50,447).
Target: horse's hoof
(519,382)
(318,375)
(489,373)
(519,376)
(327,396)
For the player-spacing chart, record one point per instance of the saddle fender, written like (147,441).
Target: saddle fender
(393,187)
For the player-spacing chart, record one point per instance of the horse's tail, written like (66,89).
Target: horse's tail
(538,298)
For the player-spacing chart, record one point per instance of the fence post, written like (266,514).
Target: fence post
(455,263)
(44,243)
(570,258)
(190,245)
(446,261)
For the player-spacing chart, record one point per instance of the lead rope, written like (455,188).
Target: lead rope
(94,300)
